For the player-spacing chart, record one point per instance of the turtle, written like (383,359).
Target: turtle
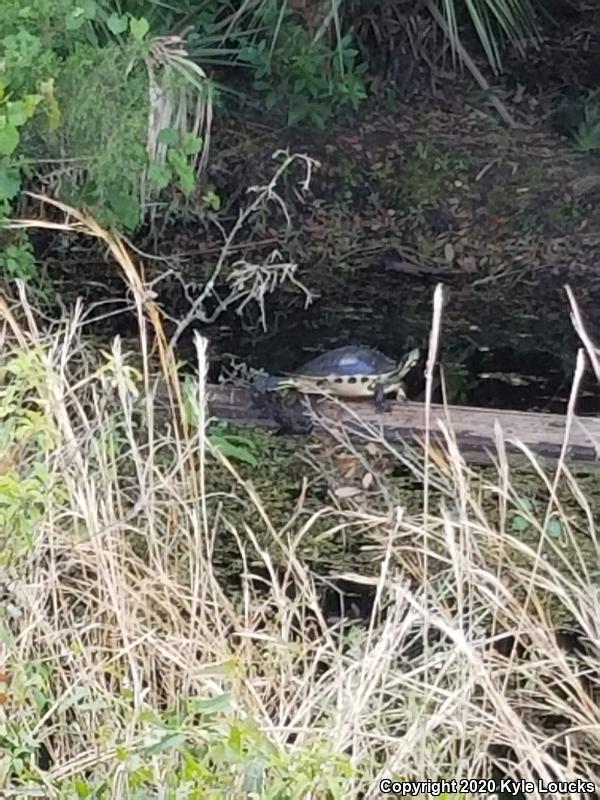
(351,371)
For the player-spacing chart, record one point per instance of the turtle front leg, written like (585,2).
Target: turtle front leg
(379,396)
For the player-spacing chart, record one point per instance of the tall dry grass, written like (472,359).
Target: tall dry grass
(134,668)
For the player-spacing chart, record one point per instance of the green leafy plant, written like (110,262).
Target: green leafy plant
(104,130)
(522,520)
(17,260)
(27,99)
(99,122)
(306,76)
(20,102)
(578,118)
(587,134)
(25,435)
(238,448)
(177,166)
(231,445)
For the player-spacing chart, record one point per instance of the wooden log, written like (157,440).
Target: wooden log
(473,428)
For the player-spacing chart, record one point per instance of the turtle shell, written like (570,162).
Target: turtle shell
(348,361)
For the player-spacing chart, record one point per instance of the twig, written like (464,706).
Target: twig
(327,21)
(263,195)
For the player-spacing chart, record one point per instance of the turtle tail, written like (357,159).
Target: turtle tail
(267,383)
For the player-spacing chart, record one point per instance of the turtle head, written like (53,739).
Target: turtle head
(404,366)
(408,362)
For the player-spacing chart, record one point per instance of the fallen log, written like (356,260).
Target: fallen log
(473,428)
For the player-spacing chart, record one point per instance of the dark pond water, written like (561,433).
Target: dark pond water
(506,347)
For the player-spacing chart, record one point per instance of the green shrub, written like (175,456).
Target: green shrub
(307,77)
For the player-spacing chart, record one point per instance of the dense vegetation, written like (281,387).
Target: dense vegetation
(79,82)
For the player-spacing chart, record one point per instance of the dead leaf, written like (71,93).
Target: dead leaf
(346,466)
(449,252)
(468,264)
(367,480)
(344,492)
(4,683)
(586,184)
